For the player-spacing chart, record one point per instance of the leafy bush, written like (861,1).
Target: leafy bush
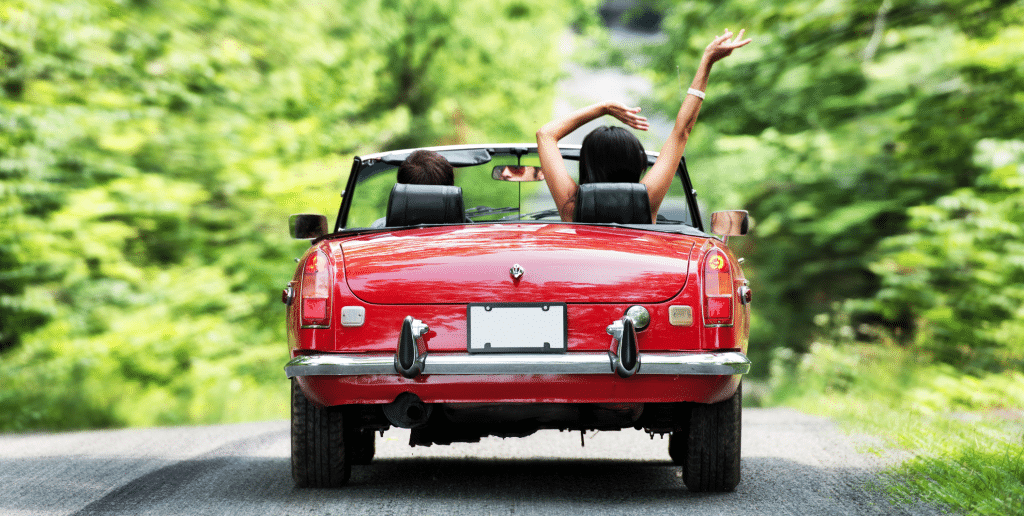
(960,269)
(150,153)
(868,140)
(960,434)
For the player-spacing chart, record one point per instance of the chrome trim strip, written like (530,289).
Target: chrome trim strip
(728,363)
(521,363)
(714,364)
(339,365)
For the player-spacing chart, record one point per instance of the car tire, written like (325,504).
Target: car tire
(318,445)
(712,451)
(361,446)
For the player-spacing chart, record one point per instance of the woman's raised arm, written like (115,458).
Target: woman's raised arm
(562,187)
(659,177)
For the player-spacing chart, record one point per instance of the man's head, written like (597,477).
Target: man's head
(425,167)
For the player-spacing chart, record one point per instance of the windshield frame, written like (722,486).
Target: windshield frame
(368,166)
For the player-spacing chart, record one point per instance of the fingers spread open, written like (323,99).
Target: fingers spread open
(738,42)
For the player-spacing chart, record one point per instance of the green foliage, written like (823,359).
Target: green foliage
(975,478)
(961,433)
(857,135)
(878,147)
(960,272)
(150,153)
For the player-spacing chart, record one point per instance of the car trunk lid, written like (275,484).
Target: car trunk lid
(559,262)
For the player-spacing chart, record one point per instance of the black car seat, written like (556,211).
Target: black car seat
(621,203)
(409,205)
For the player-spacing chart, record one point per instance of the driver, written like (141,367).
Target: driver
(425,167)
(422,167)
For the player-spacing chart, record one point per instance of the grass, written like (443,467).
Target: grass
(964,435)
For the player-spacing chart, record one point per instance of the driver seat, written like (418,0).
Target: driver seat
(409,205)
(618,203)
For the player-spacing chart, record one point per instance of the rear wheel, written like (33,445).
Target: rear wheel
(710,453)
(318,444)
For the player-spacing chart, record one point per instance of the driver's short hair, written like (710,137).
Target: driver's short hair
(425,167)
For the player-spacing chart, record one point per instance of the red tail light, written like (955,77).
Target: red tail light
(315,295)
(717,289)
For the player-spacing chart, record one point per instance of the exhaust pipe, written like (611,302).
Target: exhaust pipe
(407,411)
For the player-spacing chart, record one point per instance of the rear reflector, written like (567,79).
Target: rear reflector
(719,310)
(314,309)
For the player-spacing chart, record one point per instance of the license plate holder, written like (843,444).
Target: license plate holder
(516,327)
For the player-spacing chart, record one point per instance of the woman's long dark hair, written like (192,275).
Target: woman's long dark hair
(611,155)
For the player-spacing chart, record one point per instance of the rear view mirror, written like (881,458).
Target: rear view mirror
(730,223)
(307,226)
(517,173)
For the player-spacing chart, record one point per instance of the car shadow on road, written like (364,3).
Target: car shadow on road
(504,485)
(243,484)
(770,485)
(552,478)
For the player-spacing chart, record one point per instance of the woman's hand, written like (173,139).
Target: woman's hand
(627,115)
(721,46)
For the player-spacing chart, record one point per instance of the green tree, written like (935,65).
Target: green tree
(959,269)
(150,153)
(839,121)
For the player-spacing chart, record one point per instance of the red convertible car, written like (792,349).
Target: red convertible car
(467,311)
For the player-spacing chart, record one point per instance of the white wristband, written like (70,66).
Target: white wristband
(696,93)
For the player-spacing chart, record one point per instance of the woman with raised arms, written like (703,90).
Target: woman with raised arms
(613,154)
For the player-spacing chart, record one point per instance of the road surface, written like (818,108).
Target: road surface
(792,464)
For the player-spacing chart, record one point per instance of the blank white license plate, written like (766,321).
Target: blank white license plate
(516,327)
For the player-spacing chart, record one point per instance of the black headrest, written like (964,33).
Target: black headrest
(622,203)
(424,204)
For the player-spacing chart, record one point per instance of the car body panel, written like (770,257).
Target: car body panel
(340,390)
(470,264)
(446,316)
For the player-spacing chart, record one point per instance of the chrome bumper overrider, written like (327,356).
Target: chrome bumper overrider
(717,364)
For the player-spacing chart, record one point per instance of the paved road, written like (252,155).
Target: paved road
(792,464)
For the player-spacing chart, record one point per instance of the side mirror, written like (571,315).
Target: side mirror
(306,226)
(730,223)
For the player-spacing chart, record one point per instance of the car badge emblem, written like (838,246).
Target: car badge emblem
(516,271)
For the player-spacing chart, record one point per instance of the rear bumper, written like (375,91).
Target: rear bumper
(686,364)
